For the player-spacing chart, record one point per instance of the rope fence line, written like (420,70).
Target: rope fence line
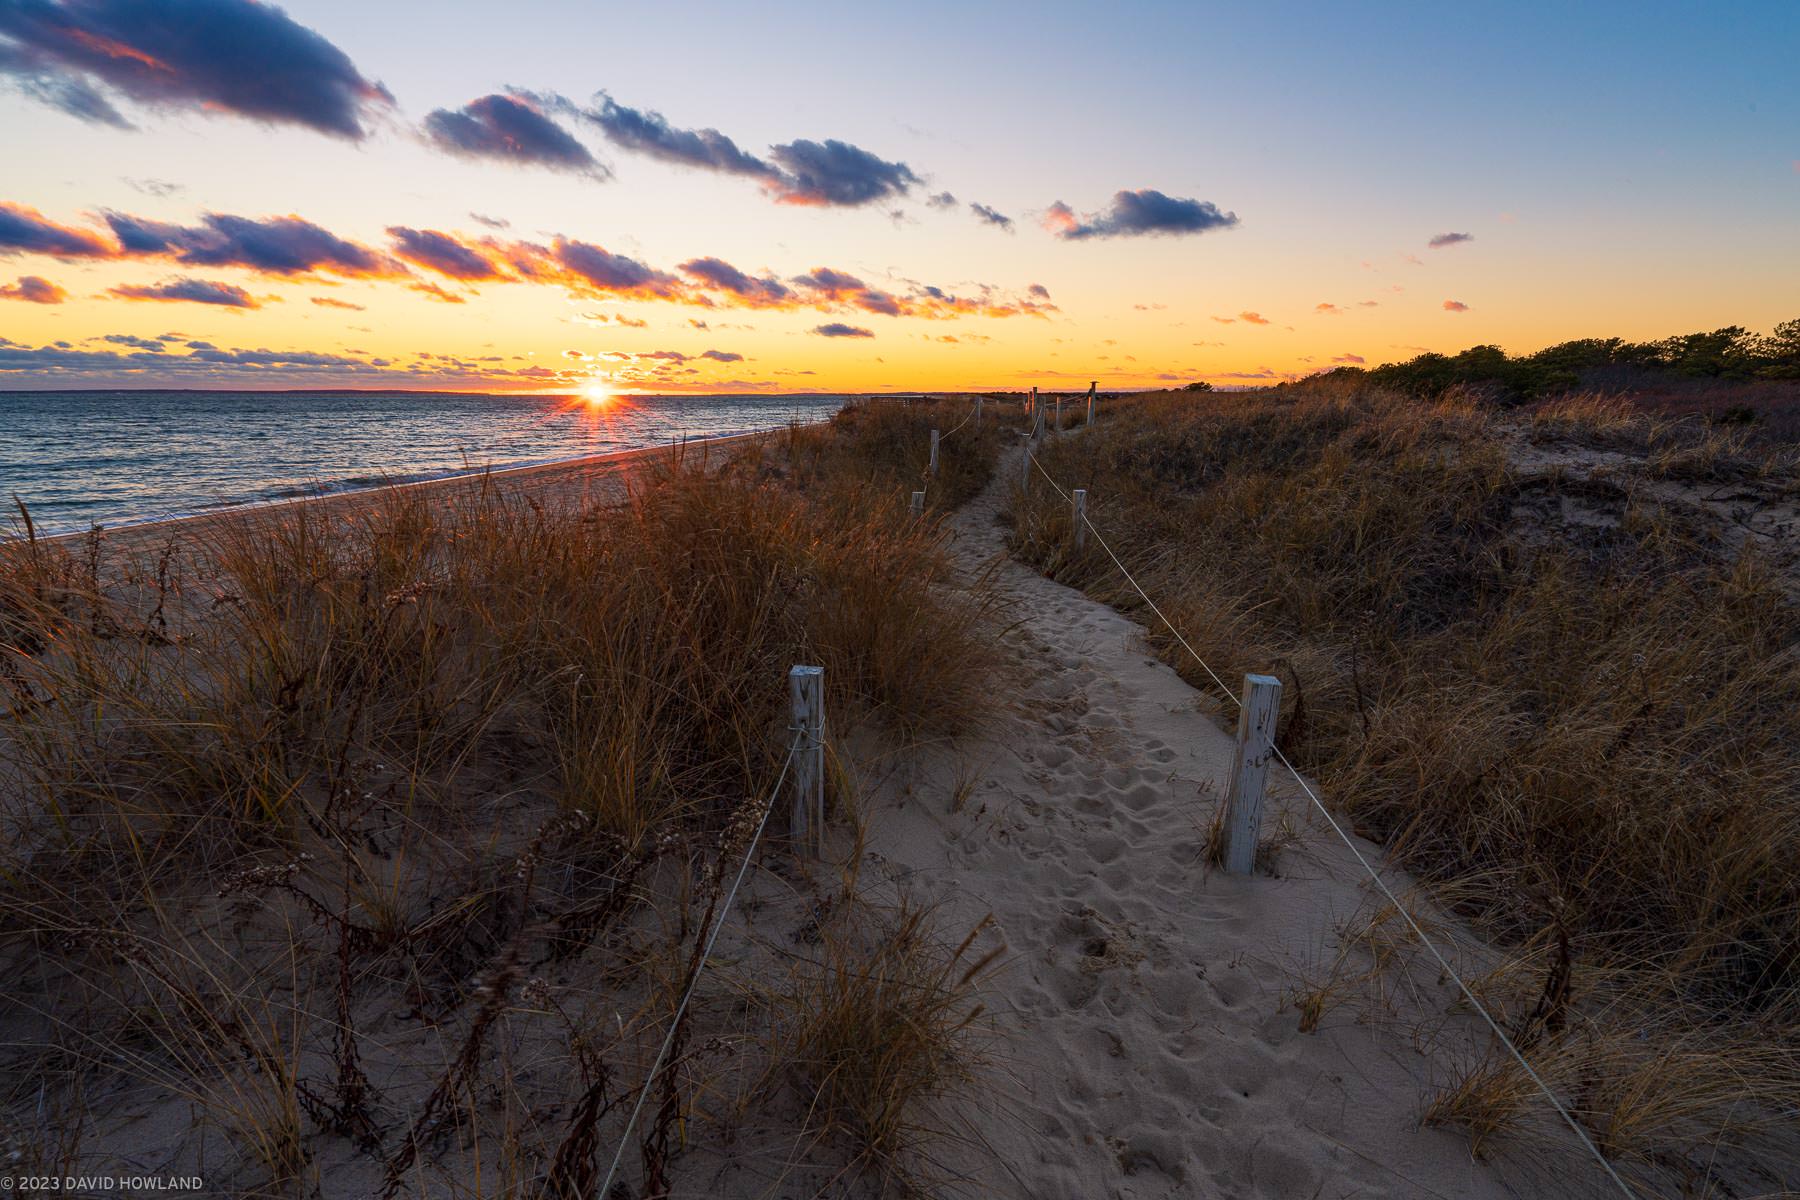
(1362,861)
(794,747)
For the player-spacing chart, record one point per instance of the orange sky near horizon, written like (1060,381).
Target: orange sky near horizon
(1292,233)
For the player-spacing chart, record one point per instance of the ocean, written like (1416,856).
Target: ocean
(80,459)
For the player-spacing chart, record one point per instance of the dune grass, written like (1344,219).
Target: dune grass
(1561,700)
(377,836)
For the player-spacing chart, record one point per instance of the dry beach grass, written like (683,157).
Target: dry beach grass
(1548,657)
(370,846)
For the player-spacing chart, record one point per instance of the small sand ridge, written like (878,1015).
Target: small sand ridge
(1146,1046)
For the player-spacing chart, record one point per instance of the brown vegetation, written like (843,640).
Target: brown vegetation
(1560,694)
(374,843)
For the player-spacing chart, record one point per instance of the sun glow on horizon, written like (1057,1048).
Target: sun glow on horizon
(598,394)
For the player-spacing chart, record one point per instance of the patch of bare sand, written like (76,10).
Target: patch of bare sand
(1148,1043)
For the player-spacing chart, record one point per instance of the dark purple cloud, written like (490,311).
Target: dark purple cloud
(33,289)
(1136,214)
(991,217)
(941,200)
(511,129)
(276,245)
(26,230)
(232,56)
(724,356)
(198,291)
(1039,290)
(838,329)
(611,272)
(645,132)
(441,253)
(834,173)
(1449,239)
(722,275)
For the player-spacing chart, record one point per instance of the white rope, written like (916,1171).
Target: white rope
(681,1008)
(1443,963)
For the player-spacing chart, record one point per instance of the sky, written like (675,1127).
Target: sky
(780,197)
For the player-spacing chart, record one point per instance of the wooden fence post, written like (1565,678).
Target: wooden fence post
(1025,463)
(1090,415)
(978,412)
(1031,409)
(934,449)
(1078,516)
(918,504)
(806,691)
(1058,426)
(1250,771)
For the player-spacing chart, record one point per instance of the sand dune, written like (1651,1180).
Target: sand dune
(1147,1046)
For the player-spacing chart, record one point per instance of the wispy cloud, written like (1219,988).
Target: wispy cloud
(991,217)
(215,56)
(273,245)
(26,230)
(649,133)
(329,302)
(196,291)
(838,329)
(1253,318)
(442,253)
(1350,359)
(1455,306)
(1449,239)
(1328,309)
(1137,214)
(510,128)
(33,289)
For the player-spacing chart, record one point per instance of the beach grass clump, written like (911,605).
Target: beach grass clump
(301,818)
(1510,668)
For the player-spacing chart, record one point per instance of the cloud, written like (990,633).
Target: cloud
(33,289)
(274,245)
(724,356)
(991,217)
(1135,214)
(1253,318)
(719,274)
(490,222)
(603,271)
(1330,310)
(39,79)
(27,230)
(197,291)
(1039,290)
(328,302)
(649,133)
(941,200)
(233,56)
(834,173)
(435,292)
(1449,239)
(1368,304)
(839,330)
(441,253)
(159,188)
(1455,306)
(509,129)
(1350,359)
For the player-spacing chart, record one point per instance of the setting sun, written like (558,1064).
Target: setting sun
(597,394)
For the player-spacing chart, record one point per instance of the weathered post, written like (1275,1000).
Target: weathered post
(934,449)
(1090,415)
(918,504)
(1250,771)
(978,412)
(806,691)
(1058,427)
(1078,516)
(1031,409)
(1025,463)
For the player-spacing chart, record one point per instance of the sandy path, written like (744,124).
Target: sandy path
(1146,1050)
